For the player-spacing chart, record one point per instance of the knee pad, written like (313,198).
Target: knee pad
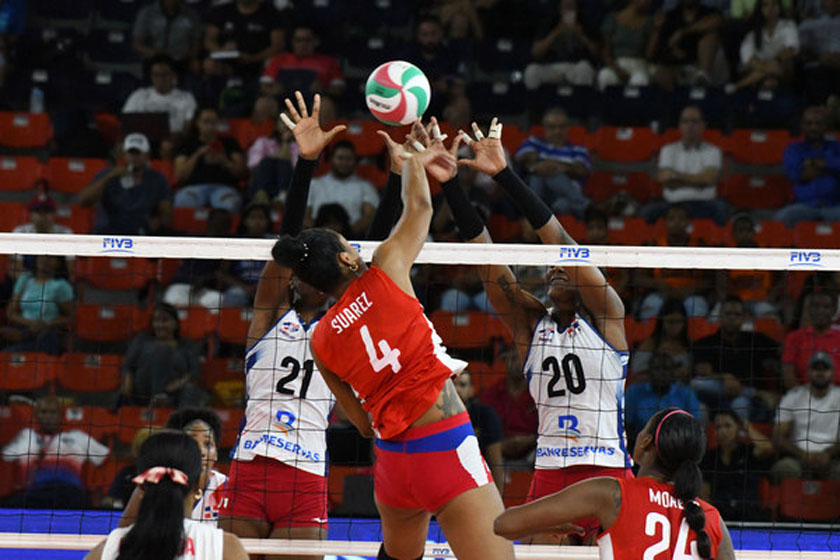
(382,555)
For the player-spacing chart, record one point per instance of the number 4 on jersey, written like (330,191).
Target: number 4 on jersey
(390,356)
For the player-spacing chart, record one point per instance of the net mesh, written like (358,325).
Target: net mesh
(78,334)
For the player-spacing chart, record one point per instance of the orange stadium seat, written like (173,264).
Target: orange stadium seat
(164,166)
(14,418)
(190,220)
(629,144)
(133,418)
(98,421)
(373,173)
(78,218)
(25,130)
(27,371)
(365,139)
(246,132)
(231,422)
(577,135)
(760,147)
(19,173)
(517,485)
(233,324)
(12,214)
(215,370)
(467,330)
(809,500)
(513,137)
(638,331)
(757,192)
(93,373)
(11,477)
(484,375)
(197,322)
(109,323)
(816,235)
(629,231)
(502,229)
(335,482)
(771,233)
(602,185)
(707,230)
(112,273)
(71,175)
(711,135)
(699,327)
(771,327)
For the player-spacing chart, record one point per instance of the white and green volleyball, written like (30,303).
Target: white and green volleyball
(397,92)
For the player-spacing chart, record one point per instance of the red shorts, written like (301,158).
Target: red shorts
(549,481)
(275,492)
(427,467)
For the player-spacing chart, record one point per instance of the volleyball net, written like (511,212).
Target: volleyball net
(711,328)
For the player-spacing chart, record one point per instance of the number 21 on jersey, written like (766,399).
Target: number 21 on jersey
(390,356)
(656,522)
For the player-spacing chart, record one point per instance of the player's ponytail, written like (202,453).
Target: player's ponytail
(169,464)
(680,444)
(313,257)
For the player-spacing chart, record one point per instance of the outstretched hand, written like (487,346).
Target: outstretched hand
(397,153)
(309,136)
(429,139)
(489,154)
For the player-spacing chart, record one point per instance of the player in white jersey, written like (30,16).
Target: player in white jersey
(170,467)
(575,349)
(277,486)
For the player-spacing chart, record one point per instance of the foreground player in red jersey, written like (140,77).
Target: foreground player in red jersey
(656,516)
(382,359)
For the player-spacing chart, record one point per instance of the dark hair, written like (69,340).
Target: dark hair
(594,214)
(428,18)
(162,59)
(733,298)
(329,213)
(172,312)
(312,256)
(671,305)
(728,412)
(342,144)
(241,230)
(183,417)
(158,531)
(680,443)
(757,22)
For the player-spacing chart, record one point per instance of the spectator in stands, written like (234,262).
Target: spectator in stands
(239,278)
(813,164)
(12,26)
(562,51)
(819,39)
(51,461)
(246,32)
(690,286)
(326,71)
(342,186)
(41,213)
(597,227)
(670,336)
(334,216)
(440,64)
(685,44)
(40,310)
(556,169)
(129,194)
(801,343)
(163,96)
(160,368)
(487,427)
(271,160)
(661,390)
(465,291)
(768,50)
(732,469)
(122,486)
(737,369)
(513,403)
(689,170)
(168,27)
(625,36)
(209,167)
(807,430)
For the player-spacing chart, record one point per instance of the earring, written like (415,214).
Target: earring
(198,494)
(354,267)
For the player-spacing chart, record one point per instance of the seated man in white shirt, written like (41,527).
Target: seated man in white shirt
(51,461)
(342,186)
(689,170)
(163,96)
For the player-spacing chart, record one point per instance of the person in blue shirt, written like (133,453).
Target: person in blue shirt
(643,400)
(814,167)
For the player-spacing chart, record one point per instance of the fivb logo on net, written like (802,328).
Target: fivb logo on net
(124,245)
(574,255)
(806,259)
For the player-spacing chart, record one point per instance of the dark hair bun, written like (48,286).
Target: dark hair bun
(288,251)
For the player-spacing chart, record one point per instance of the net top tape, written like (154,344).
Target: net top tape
(618,256)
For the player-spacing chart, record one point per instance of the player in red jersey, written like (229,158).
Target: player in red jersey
(382,359)
(656,516)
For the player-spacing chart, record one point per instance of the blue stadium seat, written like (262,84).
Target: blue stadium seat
(57,11)
(496,98)
(124,11)
(765,109)
(109,90)
(388,13)
(111,46)
(370,52)
(631,106)
(578,101)
(713,102)
(503,54)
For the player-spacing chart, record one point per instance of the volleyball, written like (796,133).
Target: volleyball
(397,92)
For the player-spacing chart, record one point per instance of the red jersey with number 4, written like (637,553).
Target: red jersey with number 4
(377,339)
(651,526)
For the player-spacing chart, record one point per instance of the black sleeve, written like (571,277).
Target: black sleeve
(387,211)
(536,211)
(491,426)
(467,220)
(298,194)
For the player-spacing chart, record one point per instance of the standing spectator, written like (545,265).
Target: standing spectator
(689,170)
(670,336)
(807,428)
(327,77)
(800,344)
(556,168)
(813,165)
(820,42)
(130,195)
(685,43)
(252,30)
(737,369)
(768,50)
(732,469)
(563,51)
(625,37)
(516,410)
(208,167)
(160,368)
(40,309)
(342,186)
(659,391)
(163,96)
(51,461)
(168,27)
(486,425)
